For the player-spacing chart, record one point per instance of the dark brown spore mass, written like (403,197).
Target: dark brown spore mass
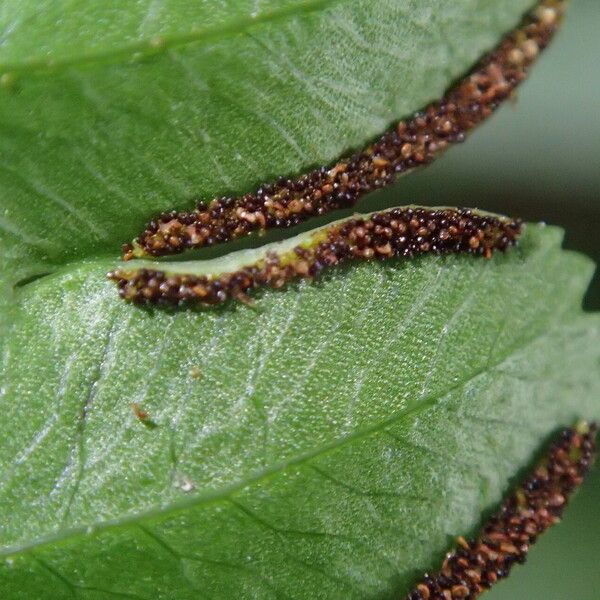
(476,565)
(413,142)
(399,232)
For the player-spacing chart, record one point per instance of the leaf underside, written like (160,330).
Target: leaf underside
(329,443)
(91,150)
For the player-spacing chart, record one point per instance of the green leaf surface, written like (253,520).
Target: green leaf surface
(331,442)
(111,112)
(327,444)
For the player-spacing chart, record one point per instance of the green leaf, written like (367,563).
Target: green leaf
(122,111)
(327,444)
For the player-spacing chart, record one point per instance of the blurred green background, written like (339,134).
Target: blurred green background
(540,159)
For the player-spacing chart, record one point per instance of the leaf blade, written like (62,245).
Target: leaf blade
(286,476)
(91,153)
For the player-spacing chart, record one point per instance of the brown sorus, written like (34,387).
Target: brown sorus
(399,232)
(411,143)
(142,415)
(476,565)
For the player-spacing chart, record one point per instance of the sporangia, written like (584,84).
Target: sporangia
(411,143)
(399,232)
